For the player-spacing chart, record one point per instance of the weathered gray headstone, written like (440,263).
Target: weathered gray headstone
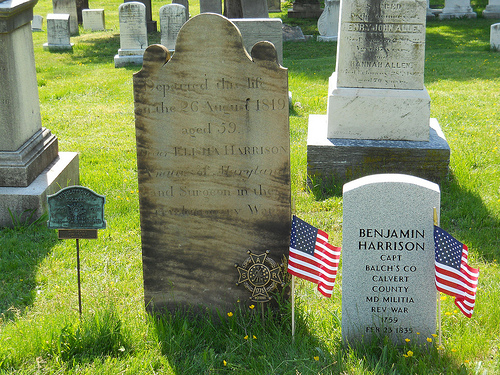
(293,33)
(254,8)
(36,24)
(30,164)
(492,10)
(274,6)
(211,6)
(185,4)
(457,9)
(172,17)
(328,22)
(305,9)
(133,34)
(67,7)
(93,19)
(388,258)
(255,30)
(213,166)
(58,33)
(495,37)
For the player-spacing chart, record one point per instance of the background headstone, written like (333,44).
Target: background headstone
(58,32)
(328,22)
(274,6)
(211,6)
(495,37)
(293,33)
(133,34)
(492,10)
(388,258)
(185,4)
(150,23)
(67,7)
(254,8)
(30,165)
(80,6)
(457,9)
(93,19)
(255,30)
(305,9)
(172,17)
(36,24)
(213,165)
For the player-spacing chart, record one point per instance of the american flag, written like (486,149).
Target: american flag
(312,257)
(454,276)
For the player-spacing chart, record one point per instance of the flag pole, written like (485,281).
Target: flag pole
(437,292)
(293,308)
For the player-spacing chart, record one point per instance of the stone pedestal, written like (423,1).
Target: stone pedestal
(340,160)
(27,150)
(457,9)
(492,10)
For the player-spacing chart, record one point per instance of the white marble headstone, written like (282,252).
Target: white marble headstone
(133,33)
(93,19)
(495,37)
(184,3)
(328,22)
(172,17)
(36,24)
(58,32)
(388,258)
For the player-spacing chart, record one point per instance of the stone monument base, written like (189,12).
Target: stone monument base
(322,38)
(362,113)
(128,57)
(62,172)
(58,47)
(343,160)
(19,168)
(492,12)
(454,13)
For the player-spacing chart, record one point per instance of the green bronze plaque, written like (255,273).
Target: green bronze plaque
(76,207)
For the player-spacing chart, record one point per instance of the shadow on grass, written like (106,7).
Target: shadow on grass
(239,341)
(21,251)
(464,214)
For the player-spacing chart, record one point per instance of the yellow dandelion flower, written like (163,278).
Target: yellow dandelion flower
(447,313)
(224,363)
(246,337)
(408,354)
(407,340)
(453,350)
(254,337)
(418,333)
(429,339)
(434,335)
(440,347)
(443,298)
(316,358)
(466,361)
(230,314)
(251,307)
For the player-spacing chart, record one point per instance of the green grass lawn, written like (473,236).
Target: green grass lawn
(88,105)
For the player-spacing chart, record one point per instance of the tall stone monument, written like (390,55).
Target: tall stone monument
(378,114)
(30,165)
(388,258)
(213,159)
